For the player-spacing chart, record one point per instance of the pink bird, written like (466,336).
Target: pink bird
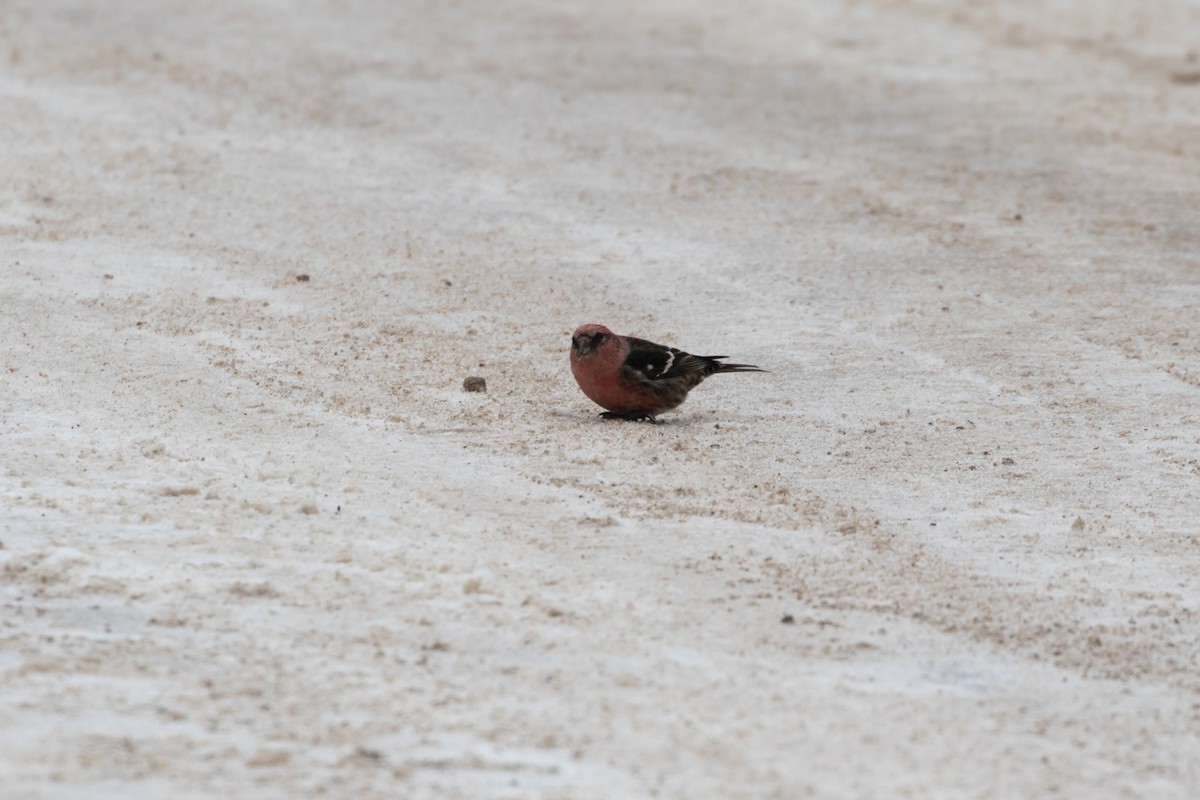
(636,379)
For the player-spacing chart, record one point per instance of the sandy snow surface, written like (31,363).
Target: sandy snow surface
(258,542)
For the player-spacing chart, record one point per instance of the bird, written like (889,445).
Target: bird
(635,379)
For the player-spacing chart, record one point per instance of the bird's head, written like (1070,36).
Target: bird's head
(588,338)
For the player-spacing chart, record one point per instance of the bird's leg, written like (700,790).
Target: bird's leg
(636,416)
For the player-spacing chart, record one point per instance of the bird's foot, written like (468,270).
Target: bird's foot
(637,416)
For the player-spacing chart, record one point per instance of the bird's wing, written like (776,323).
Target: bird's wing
(654,362)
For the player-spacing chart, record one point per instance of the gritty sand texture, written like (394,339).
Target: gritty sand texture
(257,540)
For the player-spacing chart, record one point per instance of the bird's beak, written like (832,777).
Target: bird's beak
(582,345)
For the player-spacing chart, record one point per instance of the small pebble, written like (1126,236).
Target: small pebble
(303,277)
(475,384)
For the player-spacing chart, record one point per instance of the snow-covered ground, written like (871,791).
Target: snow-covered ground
(258,542)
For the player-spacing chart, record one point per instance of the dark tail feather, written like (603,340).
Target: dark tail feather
(717,366)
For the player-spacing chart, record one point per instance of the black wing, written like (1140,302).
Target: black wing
(656,362)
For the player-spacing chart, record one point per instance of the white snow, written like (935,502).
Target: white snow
(257,541)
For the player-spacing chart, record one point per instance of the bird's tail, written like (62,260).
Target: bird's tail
(716,366)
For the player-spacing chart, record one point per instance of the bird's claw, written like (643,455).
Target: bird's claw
(635,417)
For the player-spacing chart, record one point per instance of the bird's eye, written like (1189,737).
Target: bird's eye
(598,338)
